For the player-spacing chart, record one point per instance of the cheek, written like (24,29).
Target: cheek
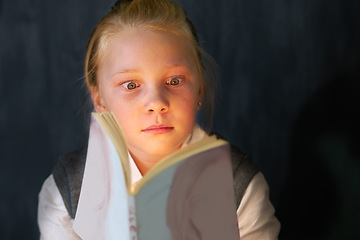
(119,106)
(186,104)
(124,118)
(113,100)
(193,96)
(122,109)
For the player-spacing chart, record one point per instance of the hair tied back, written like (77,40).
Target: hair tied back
(119,2)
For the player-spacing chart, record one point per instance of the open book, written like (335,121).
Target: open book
(187,195)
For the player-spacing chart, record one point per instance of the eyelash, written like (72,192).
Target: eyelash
(135,85)
(179,79)
(126,85)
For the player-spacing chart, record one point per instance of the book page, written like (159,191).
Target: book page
(206,143)
(112,129)
(151,206)
(103,209)
(192,199)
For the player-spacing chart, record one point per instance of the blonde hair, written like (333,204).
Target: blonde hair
(161,15)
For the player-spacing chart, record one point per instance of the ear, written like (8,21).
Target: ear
(200,97)
(97,100)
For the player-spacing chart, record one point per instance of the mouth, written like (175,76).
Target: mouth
(158,129)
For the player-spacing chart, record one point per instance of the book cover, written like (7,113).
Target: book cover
(187,195)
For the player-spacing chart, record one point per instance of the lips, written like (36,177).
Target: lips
(158,129)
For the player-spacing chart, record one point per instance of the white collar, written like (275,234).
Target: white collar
(196,134)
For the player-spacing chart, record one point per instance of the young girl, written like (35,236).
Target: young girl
(144,64)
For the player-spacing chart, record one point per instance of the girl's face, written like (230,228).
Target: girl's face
(149,80)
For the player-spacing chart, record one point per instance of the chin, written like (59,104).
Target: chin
(162,150)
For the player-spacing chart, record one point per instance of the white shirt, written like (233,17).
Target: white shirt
(256,219)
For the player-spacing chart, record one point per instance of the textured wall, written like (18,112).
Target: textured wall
(275,57)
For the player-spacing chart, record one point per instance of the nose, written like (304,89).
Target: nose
(156,101)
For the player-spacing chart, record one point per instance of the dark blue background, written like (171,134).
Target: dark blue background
(286,100)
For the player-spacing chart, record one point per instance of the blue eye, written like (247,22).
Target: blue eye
(130,85)
(174,81)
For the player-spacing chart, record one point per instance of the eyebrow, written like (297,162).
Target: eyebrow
(129,70)
(177,65)
(134,70)
(124,71)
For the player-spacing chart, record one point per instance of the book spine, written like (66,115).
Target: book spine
(132,218)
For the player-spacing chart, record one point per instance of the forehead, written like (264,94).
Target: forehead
(131,48)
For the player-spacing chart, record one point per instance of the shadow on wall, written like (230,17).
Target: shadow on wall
(322,197)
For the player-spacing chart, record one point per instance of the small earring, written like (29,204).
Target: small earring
(199,104)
